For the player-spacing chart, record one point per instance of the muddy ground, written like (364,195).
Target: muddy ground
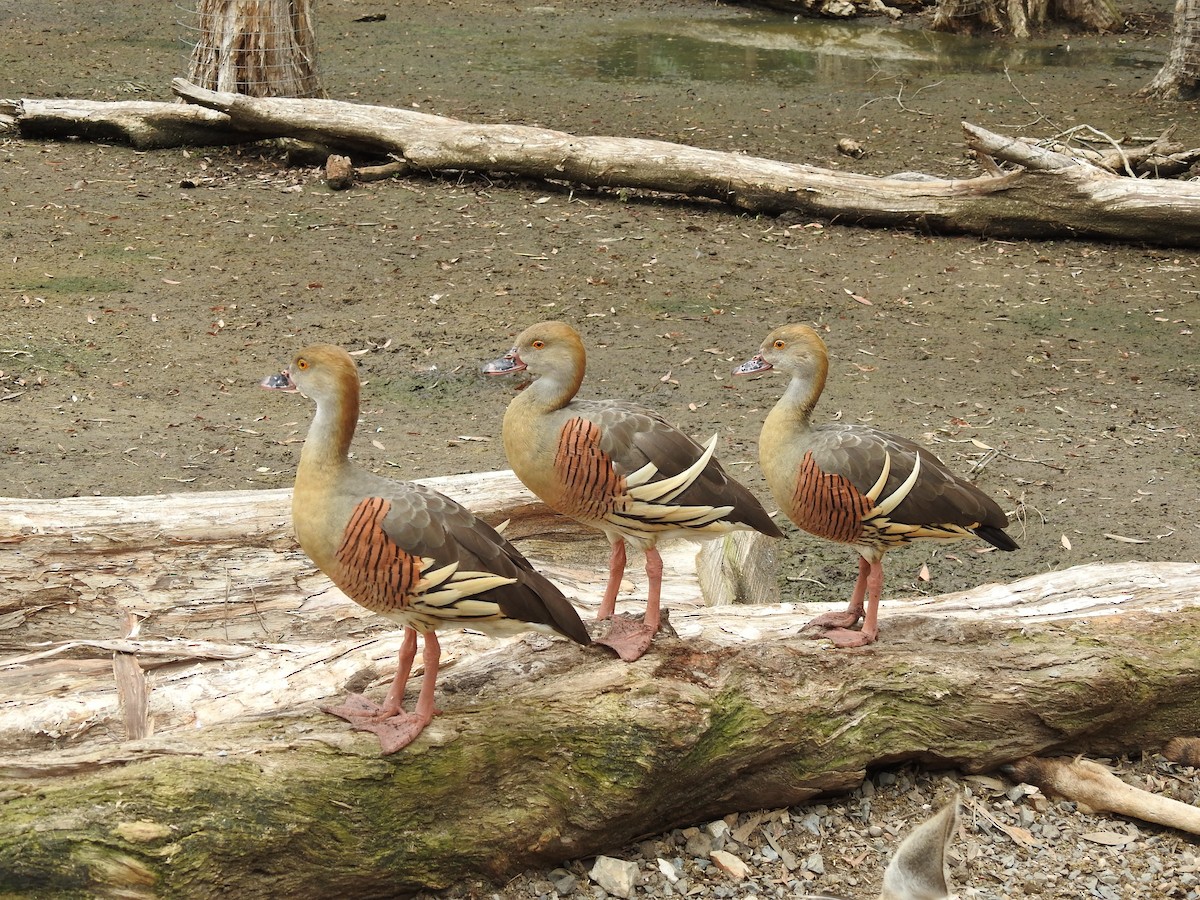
(146,294)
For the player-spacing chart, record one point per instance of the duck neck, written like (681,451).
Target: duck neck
(327,446)
(800,398)
(552,391)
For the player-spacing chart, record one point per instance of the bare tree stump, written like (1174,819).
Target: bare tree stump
(184,754)
(262,48)
(1018,17)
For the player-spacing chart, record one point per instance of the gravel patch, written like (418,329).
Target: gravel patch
(1012,842)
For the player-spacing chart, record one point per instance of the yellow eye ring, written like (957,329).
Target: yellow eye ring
(538,345)
(779,345)
(302,364)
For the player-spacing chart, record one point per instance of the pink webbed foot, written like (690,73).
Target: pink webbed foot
(394,733)
(630,638)
(845,619)
(844,637)
(395,730)
(354,708)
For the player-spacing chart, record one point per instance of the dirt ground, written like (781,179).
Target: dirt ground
(146,294)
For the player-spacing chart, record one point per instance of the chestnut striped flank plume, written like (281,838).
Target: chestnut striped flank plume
(371,568)
(617,467)
(590,484)
(403,551)
(828,506)
(857,485)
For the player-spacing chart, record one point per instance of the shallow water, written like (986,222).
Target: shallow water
(759,48)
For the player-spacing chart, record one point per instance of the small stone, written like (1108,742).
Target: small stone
(719,831)
(564,881)
(812,823)
(669,871)
(729,863)
(699,845)
(616,876)
(815,864)
(875,831)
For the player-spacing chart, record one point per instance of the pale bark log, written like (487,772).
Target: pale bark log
(545,750)
(144,124)
(1075,199)
(836,9)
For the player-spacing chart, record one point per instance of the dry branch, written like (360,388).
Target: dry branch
(1075,199)
(545,751)
(1097,788)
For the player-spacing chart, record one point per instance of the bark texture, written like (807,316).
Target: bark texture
(262,48)
(1020,17)
(1179,77)
(163,659)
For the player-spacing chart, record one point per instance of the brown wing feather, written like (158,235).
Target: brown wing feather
(631,436)
(938,498)
(429,524)
(379,562)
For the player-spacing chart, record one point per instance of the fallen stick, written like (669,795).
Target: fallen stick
(1090,783)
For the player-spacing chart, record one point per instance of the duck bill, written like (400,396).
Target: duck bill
(509,363)
(753,366)
(281,381)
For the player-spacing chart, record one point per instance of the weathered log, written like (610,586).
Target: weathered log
(545,751)
(1076,200)
(144,124)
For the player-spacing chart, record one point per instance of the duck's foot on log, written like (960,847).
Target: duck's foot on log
(630,638)
(844,637)
(395,729)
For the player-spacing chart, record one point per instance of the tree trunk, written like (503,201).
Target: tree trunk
(261,48)
(1179,77)
(165,658)
(1017,17)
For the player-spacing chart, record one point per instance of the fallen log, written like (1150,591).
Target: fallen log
(143,124)
(163,658)
(1076,200)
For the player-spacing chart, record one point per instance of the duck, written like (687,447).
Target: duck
(403,551)
(856,484)
(617,467)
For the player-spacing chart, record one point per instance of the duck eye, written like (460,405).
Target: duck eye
(779,345)
(302,364)
(538,345)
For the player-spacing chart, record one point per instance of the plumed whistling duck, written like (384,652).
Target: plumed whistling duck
(856,484)
(617,467)
(402,550)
